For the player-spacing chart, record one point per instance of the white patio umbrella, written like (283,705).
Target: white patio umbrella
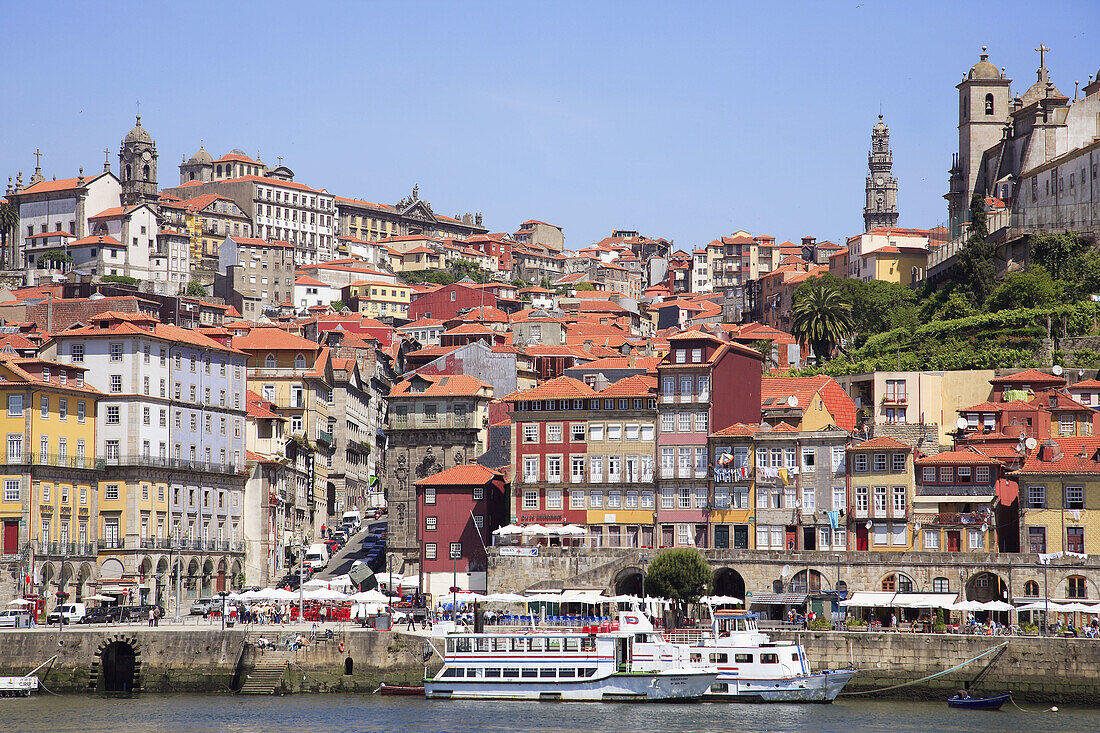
(278,594)
(1075,608)
(410,582)
(340,581)
(248,595)
(543,598)
(534,530)
(388,579)
(998,606)
(1040,606)
(324,594)
(721,600)
(625,599)
(370,596)
(571,529)
(504,598)
(967,606)
(99,597)
(508,529)
(23,602)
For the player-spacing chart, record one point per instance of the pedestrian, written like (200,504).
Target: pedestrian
(157,613)
(412,622)
(152,616)
(894,621)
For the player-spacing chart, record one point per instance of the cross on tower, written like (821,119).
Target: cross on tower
(37,158)
(1042,49)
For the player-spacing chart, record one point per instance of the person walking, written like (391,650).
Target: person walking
(152,616)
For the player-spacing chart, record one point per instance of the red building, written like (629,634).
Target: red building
(444,303)
(457,511)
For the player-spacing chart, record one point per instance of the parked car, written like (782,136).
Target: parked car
(203,606)
(16,617)
(67,613)
(139,613)
(102,615)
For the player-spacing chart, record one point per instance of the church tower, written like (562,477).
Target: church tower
(881,209)
(137,159)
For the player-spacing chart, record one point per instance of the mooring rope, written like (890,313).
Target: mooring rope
(933,676)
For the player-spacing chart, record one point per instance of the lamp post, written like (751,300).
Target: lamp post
(1046,598)
(179,562)
(301,581)
(455,552)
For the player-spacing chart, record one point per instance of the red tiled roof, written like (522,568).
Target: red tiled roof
(986,406)
(442,386)
(1078,457)
(260,408)
(470,474)
(273,338)
(836,400)
(135,323)
(555,389)
(1028,376)
(62,184)
(47,235)
(881,441)
(737,430)
(648,363)
(96,239)
(307,280)
(968,455)
(1086,384)
(636,385)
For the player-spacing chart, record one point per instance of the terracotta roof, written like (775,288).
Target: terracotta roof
(1086,384)
(968,455)
(421,323)
(470,474)
(1028,376)
(648,363)
(96,239)
(276,182)
(986,406)
(1078,456)
(468,328)
(441,386)
(881,441)
(837,401)
(737,430)
(636,385)
(260,408)
(47,235)
(1062,401)
(307,280)
(136,323)
(272,337)
(555,389)
(62,184)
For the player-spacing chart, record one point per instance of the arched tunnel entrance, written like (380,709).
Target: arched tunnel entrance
(628,582)
(118,662)
(728,582)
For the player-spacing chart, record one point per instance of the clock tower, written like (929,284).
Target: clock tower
(881,208)
(137,159)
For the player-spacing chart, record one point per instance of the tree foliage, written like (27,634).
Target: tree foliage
(195,289)
(121,279)
(976,269)
(1071,259)
(680,575)
(1033,287)
(821,316)
(56,256)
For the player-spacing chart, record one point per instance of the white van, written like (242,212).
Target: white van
(71,612)
(352,518)
(17,617)
(316,556)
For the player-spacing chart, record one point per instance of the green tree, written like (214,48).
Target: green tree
(681,575)
(1070,258)
(121,279)
(1033,287)
(821,317)
(580,286)
(56,257)
(337,305)
(975,267)
(195,289)
(877,305)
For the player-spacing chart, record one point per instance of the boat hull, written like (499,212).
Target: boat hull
(17,686)
(821,687)
(979,703)
(619,687)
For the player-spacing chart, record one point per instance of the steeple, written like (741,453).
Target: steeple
(881,206)
(137,160)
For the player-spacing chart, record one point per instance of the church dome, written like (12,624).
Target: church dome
(983,69)
(201,157)
(881,126)
(139,134)
(1039,90)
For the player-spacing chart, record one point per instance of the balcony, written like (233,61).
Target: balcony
(113,543)
(65,549)
(895,398)
(30,458)
(159,462)
(324,438)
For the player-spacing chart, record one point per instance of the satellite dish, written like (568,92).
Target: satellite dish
(1056,370)
(917,526)
(786,570)
(1031,443)
(868,525)
(985,527)
(961,423)
(792,401)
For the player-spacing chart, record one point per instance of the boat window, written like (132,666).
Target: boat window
(529,672)
(588,644)
(572,644)
(452,672)
(492,672)
(511,672)
(794,657)
(719,687)
(553,644)
(483,644)
(587,672)
(519,645)
(536,645)
(696,657)
(742,658)
(719,658)
(500,643)
(548,672)
(769,659)
(473,672)
(450,646)
(567,672)
(641,638)
(462,645)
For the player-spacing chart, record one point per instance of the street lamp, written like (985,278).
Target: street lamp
(455,552)
(179,562)
(222,594)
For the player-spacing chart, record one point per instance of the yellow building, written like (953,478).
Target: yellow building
(732,471)
(880,495)
(900,265)
(378,299)
(49,504)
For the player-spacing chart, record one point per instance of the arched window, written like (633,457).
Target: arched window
(219,171)
(269,362)
(897,583)
(1031,588)
(941,585)
(989,104)
(1075,587)
(191,176)
(128,176)
(145,173)
(299,361)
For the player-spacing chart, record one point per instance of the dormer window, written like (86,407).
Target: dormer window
(299,361)
(269,361)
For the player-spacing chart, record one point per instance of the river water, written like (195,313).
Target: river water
(355,713)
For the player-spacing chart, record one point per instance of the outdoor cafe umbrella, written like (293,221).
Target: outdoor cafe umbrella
(340,581)
(99,597)
(998,606)
(535,530)
(388,579)
(23,602)
(505,598)
(967,606)
(570,529)
(370,596)
(508,529)
(324,594)
(721,600)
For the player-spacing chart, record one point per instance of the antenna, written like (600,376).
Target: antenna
(792,401)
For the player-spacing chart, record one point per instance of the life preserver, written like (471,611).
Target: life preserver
(341,646)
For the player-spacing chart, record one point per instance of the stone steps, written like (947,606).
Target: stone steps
(268,673)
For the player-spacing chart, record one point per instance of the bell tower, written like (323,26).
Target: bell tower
(881,207)
(137,163)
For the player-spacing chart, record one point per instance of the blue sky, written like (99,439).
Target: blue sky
(682,120)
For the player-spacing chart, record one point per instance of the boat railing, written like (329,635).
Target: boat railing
(572,623)
(686,636)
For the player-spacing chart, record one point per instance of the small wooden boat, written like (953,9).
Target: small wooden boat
(979,703)
(385,689)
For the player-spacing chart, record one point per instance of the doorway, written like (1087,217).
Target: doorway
(118,662)
(11,537)
(861,537)
(809,538)
(741,536)
(722,536)
(954,540)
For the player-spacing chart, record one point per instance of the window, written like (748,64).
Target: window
(530,499)
(1075,587)
(116,383)
(553,433)
(595,433)
(861,499)
(977,539)
(11,490)
(595,499)
(113,415)
(941,585)
(840,498)
(530,432)
(1037,539)
(116,352)
(1075,539)
(899,500)
(1075,497)
(577,432)
(553,499)
(1036,497)
(684,422)
(576,499)
(701,419)
(668,422)
(809,457)
(77,351)
(614,432)
(553,469)
(897,462)
(963,474)
(530,469)
(111,492)
(981,475)
(899,537)
(928,475)
(880,461)
(44,401)
(859,463)
(429,494)
(1031,588)
(430,523)
(947,475)
(931,539)
(429,551)
(880,500)
(809,499)
(576,469)
(15,405)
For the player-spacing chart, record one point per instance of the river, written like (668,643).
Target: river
(364,713)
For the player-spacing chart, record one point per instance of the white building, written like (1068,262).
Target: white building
(309,291)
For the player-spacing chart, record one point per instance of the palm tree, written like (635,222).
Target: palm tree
(9,220)
(821,317)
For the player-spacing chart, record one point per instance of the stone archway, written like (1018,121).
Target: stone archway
(116,669)
(83,575)
(728,582)
(235,577)
(192,579)
(808,581)
(220,583)
(162,582)
(986,586)
(205,590)
(628,582)
(145,588)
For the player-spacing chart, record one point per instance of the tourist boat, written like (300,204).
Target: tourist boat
(18,686)
(752,667)
(586,664)
(979,703)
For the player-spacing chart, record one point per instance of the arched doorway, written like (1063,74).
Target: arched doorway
(192,579)
(162,582)
(235,580)
(728,582)
(118,662)
(207,576)
(985,587)
(628,582)
(145,580)
(220,583)
(83,575)
(807,581)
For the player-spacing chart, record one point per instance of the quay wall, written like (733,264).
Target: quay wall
(1038,670)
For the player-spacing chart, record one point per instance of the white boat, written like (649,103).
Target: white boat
(18,686)
(568,665)
(752,667)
